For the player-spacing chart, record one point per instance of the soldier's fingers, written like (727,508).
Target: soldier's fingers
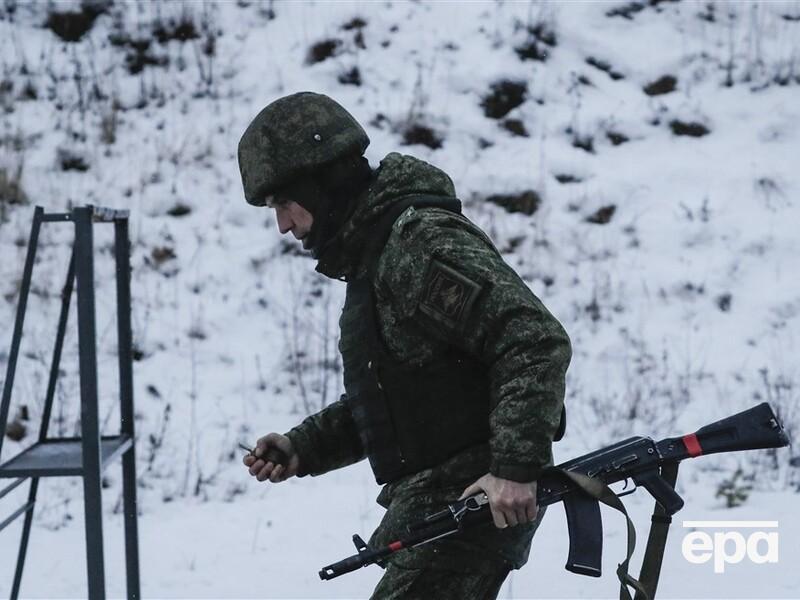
(281,442)
(276,474)
(499,519)
(263,474)
(256,467)
(249,459)
(471,489)
(511,518)
(531,511)
(522,516)
(261,446)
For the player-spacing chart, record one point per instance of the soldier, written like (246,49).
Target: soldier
(453,369)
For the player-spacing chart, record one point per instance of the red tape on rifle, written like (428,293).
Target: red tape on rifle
(692,445)
(395,546)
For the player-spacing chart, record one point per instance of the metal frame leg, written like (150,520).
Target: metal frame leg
(23,543)
(48,404)
(16,337)
(125,343)
(87,350)
(66,295)
(81,270)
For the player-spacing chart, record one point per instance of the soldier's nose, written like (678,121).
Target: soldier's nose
(285,223)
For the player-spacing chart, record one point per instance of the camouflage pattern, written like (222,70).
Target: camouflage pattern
(507,327)
(499,320)
(428,582)
(294,135)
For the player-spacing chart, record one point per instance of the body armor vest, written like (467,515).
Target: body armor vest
(408,418)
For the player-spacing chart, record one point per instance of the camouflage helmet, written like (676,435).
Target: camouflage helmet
(293,135)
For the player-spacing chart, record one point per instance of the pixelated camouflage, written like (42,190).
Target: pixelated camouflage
(294,135)
(498,320)
(399,583)
(441,282)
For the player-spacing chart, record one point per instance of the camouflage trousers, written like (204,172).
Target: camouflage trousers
(430,583)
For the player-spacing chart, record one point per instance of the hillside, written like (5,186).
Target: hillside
(635,162)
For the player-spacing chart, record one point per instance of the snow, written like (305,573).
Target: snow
(699,224)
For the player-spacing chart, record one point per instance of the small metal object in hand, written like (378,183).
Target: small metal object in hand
(272,454)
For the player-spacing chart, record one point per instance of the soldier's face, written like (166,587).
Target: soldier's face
(293,217)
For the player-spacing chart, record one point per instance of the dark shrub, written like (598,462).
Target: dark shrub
(516,127)
(663,85)
(323,50)
(351,77)
(181,30)
(71,26)
(504,97)
(422,134)
(617,138)
(724,302)
(626,11)
(605,67)
(602,215)
(71,161)
(526,202)
(692,129)
(567,178)
(354,23)
(585,142)
(179,210)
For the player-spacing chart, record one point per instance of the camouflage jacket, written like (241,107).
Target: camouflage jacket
(503,324)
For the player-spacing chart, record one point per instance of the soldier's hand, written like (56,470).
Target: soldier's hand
(263,469)
(511,502)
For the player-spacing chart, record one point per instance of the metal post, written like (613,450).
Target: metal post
(48,405)
(87,350)
(66,295)
(125,344)
(23,544)
(16,337)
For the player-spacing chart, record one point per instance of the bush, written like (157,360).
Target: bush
(734,490)
(11,192)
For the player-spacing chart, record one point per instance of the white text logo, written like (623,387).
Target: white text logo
(727,546)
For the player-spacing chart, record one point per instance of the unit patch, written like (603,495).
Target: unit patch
(447,295)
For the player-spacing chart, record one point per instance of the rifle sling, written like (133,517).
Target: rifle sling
(657,540)
(600,491)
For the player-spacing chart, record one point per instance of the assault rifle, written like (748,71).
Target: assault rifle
(583,482)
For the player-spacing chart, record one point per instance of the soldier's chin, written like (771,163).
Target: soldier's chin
(307,244)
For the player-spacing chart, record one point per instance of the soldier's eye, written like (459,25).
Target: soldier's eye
(276,200)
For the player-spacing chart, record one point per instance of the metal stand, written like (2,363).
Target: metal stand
(89,454)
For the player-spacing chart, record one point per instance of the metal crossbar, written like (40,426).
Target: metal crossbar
(13,486)
(24,508)
(99,215)
(85,456)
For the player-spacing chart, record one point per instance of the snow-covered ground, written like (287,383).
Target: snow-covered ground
(660,139)
(271,545)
